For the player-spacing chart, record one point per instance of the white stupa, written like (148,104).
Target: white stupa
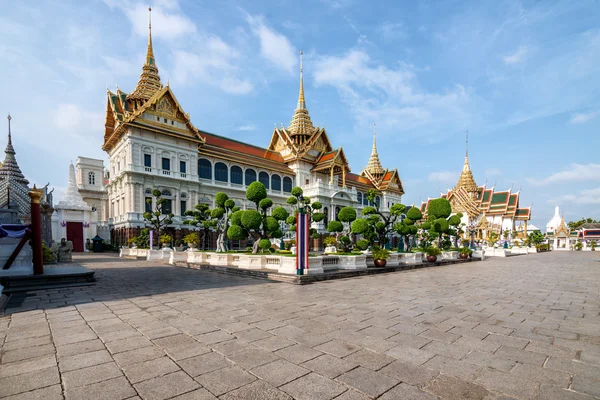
(73,218)
(554,223)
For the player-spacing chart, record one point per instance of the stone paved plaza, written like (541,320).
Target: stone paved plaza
(522,327)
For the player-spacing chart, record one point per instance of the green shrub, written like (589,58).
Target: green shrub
(381,254)
(439,208)
(265,203)
(362,244)
(280,213)
(251,219)
(255,192)
(191,238)
(264,244)
(166,238)
(330,241)
(235,232)
(432,251)
(465,250)
(335,226)
(347,214)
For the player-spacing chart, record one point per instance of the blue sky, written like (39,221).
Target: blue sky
(521,77)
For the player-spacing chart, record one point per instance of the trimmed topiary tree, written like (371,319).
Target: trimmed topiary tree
(257,223)
(407,228)
(161,217)
(308,207)
(378,225)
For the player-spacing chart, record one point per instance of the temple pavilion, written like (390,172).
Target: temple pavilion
(484,209)
(152,144)
(13,184)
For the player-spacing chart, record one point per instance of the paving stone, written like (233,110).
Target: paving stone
(166,386)
(89,375)
(27,353)
(29,342)
(313,387)
(48,393)
(298,353)
(204,363)
(329,366)
(119,346)
(449,350)
(522,356)
(232,346)
(450,366)
(279,372)
(489,360)
(29,365)
(174,341)
(452,388)
(337,348)
(440,336)
(138,355)
(407,392)
(468,332)
(370,359)
(476,344)
(552,392)
(252,358)
(63,338)
(199,394)
(214,337)
(508,341)
(410,354)
(84,360)
(79,348)
(29,381)
(225,380)
(186,351)
(409,373)
(112,389)
(273,343)
(551,350)
(543,375)
(586,385)
(509,384)
(410,340)
(367,381)
(353,395)
(149,369)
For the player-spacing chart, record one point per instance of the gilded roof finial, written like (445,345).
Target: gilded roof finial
(301,123)
(374,166)
(9,135)
(466,179)
(149,82)
(301,102)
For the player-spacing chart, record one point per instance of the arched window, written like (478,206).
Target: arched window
(378,201)
(287,184)
(204,168)
(365,200)
(359,197)
(337,211)
(237,175)
(326,219)
(275,182)
(221,172)
(250,176)
(91,178)
(263,178)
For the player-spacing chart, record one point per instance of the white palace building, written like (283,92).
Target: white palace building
(152,144)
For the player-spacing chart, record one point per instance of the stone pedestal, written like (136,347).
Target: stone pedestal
(23,262)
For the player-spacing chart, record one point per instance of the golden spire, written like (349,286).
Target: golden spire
(466,179)
(301,125)
(374,166)
(149,82)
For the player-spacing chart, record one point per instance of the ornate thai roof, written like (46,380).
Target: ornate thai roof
(466,179)
(374,165)
(301,126)
(14,188)
(562,228)
(334,158)
(149,82)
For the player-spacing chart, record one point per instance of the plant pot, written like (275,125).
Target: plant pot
(380,263)
(165,245)
(432,259)
(463,256)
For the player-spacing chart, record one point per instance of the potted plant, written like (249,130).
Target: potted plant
(464,253)
(593,245)
(191,239)
(130,241)
(432,253)
(380,257)
(165,239)
(330,244)
(578,246)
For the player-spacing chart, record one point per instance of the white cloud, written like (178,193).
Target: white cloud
(246,128)
(516,57)
(392,96)
(392,30)
(215,66)
(584,197)
(274,47)
(72,119)
(167,20)
(575,172)
(446,177)
(582,118)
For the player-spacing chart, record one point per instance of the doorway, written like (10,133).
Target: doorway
(75,235)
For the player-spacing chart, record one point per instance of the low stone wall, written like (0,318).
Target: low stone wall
(492,252)
(449,255)
(519,250)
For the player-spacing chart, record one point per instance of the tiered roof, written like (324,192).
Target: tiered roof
(14,188)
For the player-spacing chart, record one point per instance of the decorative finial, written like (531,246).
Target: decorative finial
(150,19)
(9,135)
(301,101)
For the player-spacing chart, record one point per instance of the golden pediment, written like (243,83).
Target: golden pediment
(166,106)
